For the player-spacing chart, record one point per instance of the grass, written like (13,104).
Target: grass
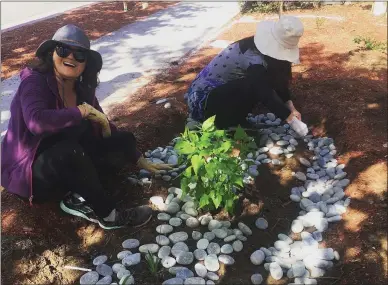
(370,44)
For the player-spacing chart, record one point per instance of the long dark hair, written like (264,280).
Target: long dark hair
(84,88)
(279,71)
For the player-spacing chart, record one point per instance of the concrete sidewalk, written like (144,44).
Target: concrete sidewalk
(142,48)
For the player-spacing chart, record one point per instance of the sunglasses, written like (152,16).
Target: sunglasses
(64,51)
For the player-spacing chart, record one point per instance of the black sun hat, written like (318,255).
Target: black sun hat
(73,36)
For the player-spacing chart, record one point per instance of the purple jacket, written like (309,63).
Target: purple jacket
(35,112)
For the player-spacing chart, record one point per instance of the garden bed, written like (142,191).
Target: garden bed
(341,92)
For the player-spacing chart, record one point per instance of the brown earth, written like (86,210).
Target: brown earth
(341,92)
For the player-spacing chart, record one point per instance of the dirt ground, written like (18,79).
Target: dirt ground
(340,90)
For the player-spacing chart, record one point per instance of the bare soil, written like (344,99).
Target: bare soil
(341,91)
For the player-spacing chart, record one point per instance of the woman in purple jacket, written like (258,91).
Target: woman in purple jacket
(58,138)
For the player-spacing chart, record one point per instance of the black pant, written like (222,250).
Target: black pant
(73,165)
(232,101)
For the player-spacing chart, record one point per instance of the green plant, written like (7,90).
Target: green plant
(370,44)
(152,263)
(213,168)
(273,6)
(319,22)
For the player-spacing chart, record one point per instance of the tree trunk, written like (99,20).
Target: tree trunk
(281,3)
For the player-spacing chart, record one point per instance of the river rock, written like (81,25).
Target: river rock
(211,262)
(206,220)
(195,281)
(132,259)
(275,271)
(261,223)
(200,254)
(214,224)
(200,269)
(168,262)
(192,222)
(89,278)
(185,258)
(305,162)
(100,260)
(172,208)
(226,249)
(122,273)
(285,238)
(220,233)
(162,240)
(226,259)
(196,235)
(212,276)
(209,236)
(105,280)
(163,217)
(191,211)
(164,229)
(297,226)
(244,228)
(178,237)
(257,257)
(127,280)
(175,222)
(301,176)
(256,279)
(181,272)
(117,267)
(173,281)
(213,248)
(104,270)
(164,251)
(122,254)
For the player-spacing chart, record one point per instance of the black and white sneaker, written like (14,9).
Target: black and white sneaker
(74,205)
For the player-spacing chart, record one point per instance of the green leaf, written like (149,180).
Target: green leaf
(188,172)
(184,147)
(240,134)
(211,169)
(219,133)
(193,137)
(217,199)
(238,181)
(208,124)
(196,162)
(225,146)
(204,201)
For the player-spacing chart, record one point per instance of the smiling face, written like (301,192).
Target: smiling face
(65,65)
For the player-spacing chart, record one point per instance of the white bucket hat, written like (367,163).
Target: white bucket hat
(280,39)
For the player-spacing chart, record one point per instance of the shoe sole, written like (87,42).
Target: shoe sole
(81,215)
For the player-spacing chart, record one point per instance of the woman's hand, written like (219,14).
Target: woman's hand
(152,167)
(96,116)
(294,111)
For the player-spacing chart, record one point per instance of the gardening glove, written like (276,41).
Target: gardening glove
(298,126)
(99,118)
(296,113)
(152,167)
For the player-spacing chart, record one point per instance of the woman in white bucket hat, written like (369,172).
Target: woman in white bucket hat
(252,70)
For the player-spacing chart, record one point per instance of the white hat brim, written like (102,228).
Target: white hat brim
(267,44)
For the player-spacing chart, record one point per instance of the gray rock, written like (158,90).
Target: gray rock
(298,269)
(195,281)
(122,254)
(271,116)
(132,259)
(266,251)
(191,211)
(196,235)
(100,260)
(282,246)
(164,229)
(117,267)
(214,224)
(164,251)
(276,150)
(212,276)
(173,160)
(169,199)
(261,156)
(163,217)
(261,223)
(127,280)
(200,254)
(168,262)
(122,273)
(105,280)
(178,237)
(175,222)
(200,269)
(213,248)
(184,216)
(244,228)
(166,177)
(242,238)
(305,162)
(230,238)
(275,271)
(220,233)
(226,259)
(172,208)
(226,249)
(211,262)
(209,236)
(185,258)
(162,240)
(89,278)
(237,246)
(192,222)
(294,142)
(203,243)
(178,247)
(257,257)
(173,281)
(205,220)
(295,198)
(336,255)
(183,273)
(300,176)
(285,238)
(256,279)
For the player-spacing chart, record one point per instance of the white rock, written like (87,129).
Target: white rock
(178,237)
(168,262)
(173,281)
(162,240)
(164,251)
(181,272)
(117,267)
(295,198)
(226,259)
(211,262)
(209,236)
(220,233)
(336,255)
(132,259)
(104,270)
(230,238)
(285,238)
(172,208)
(158,202)
(89,278)
(205,220)
(152,248)
(191,211)
(298,269)
(257,257)
(301,176)
(175,222)
(226,249)
(266,251)
(213,248)
(256,279)
(163,217)
(122,254)
(275,271)
(196,235)
(185,258)
(100,260)
(261,223)
(202,243)
(214,224)
(200,269)
(195,281)
(212,276)
(105,280)
(164,229)
(192,222)
(200,254)
(122,273)
(244,228)
(282,246)
(297,226)
(237,246)
(178,247)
